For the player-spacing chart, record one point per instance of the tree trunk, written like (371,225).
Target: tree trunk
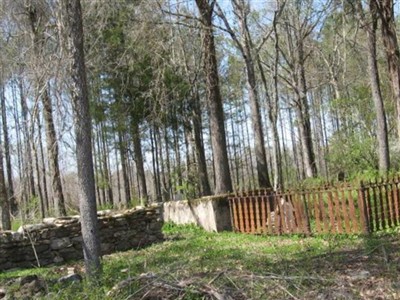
(303,115)
(51,137)
(137,148)
(43,168)
(125,177)
(389,37)
(4,203)
(11,194)
(29,178)
(52,155)
(83,130)
(205,189)
(259,144)
(223,183)
(106,165)
(381,130)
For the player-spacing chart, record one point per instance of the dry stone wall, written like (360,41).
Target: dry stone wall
(59,240)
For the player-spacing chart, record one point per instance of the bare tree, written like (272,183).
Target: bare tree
(10,186)
(245,44)
(72,17)
(223,181)
(37,26)
(4,203)
(370,25)
(385,9)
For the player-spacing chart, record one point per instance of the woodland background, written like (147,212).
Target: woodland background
(192,98)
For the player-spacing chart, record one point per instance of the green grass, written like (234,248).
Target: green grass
(192,263)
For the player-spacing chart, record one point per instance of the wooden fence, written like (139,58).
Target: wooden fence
(340,209)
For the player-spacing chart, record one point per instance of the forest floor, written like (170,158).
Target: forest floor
(194,264)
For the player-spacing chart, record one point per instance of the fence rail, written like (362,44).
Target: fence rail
(364,208)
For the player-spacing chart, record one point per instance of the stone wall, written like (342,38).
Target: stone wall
(59,240)
(210,213)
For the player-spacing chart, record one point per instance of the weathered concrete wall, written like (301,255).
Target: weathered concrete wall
(211,213)
(58,240)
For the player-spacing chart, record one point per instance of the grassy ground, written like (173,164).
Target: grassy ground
(194,264)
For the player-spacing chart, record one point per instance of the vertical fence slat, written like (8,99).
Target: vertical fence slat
(331,212)
(304,210)
(269,215)
(337,212)
(352,210)
(370,209)
(381,205)
(246,215)
(233,213)
(263,215)
(297,213)
(323,211)
(251,214)
(241,214)
(277,221)
(344,209)
(389,209)
(377,224)
(317,212)
(396,200)
(363,196)
(259,228)
(283,210)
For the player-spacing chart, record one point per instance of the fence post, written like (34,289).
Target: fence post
(362,204)
(306,214)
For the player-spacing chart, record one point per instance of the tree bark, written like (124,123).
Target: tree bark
(4,203)
(51,136)
(137,148)
(79,93)
(106,165)
(52,154)
(303,115)
(381,130)
(125,177)
(390,42)
(223,183)
(205,188)
(10,186)
(246,48)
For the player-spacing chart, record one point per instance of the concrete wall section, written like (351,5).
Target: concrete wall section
(210,213)
(58,240)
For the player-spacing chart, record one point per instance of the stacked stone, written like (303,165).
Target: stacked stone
(59,239)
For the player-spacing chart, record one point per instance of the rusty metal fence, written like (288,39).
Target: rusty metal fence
(346,208)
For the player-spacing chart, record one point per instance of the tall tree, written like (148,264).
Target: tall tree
(298,23)
(385,9)
(245,44)
(4,202)
(370,25)
(10,186)
(72,17)
(37,26)
(223,181)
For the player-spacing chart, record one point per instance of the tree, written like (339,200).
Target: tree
(4,203)
(247,49)
(72,17)
(299,22)
(37,23)
(223,181)
(370,25)
(10,186)
(385,9)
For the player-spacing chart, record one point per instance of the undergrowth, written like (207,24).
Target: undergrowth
(195,264)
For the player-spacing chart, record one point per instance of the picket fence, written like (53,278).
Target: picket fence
(345,208)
